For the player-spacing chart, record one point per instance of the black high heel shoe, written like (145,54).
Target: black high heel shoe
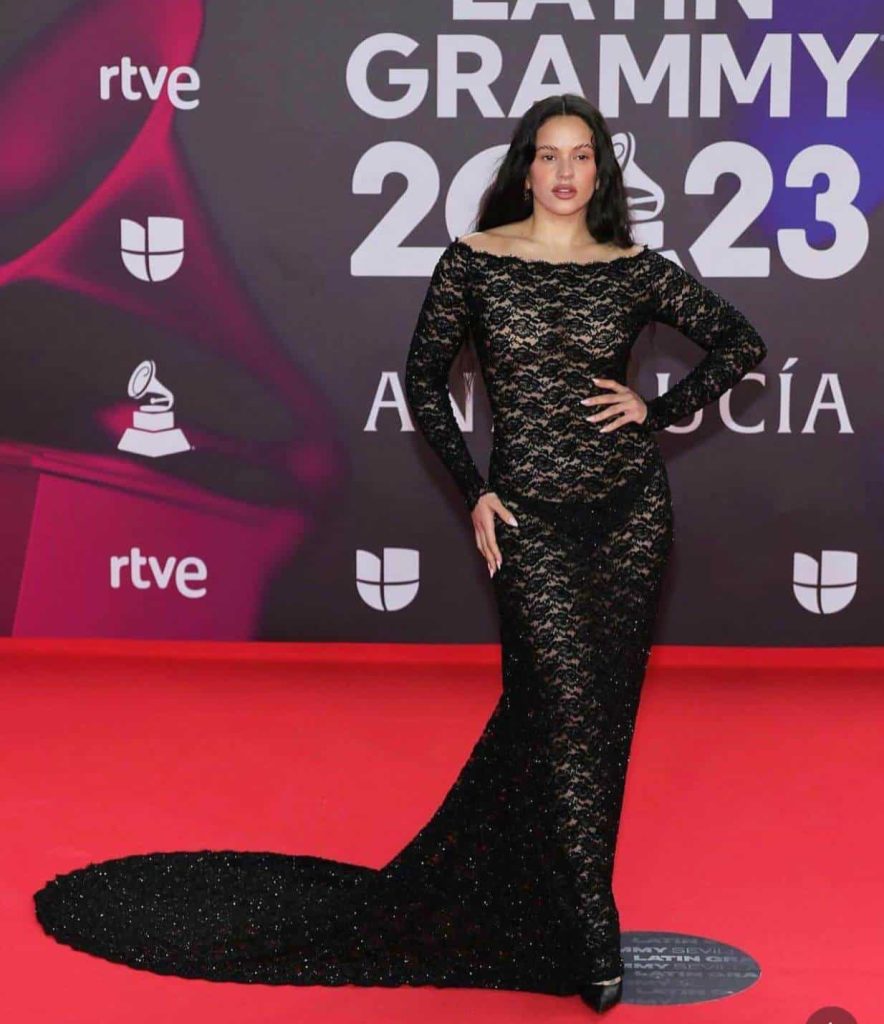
(602,997)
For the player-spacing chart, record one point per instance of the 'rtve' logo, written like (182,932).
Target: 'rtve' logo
(177,80)
(184,571)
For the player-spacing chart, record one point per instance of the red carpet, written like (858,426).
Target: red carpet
(752,813)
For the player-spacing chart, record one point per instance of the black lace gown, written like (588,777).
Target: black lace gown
(508,885)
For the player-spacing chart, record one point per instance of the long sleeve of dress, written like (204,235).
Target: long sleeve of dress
(732,344)
(438,335)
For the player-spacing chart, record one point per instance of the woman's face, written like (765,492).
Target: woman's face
(563,172)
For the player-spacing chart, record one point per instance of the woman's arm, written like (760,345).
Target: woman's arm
(732,344)
(439,333)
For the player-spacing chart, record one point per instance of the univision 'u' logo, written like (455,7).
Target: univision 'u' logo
(390,584)
(825,585)
(154,254)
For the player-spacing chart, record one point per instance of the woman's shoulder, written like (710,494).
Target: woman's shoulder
(497,242)
(504,240)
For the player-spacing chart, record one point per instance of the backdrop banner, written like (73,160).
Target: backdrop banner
(220,220)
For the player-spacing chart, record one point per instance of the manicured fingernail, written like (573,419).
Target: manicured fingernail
(513,522)
(490,571)
(499,563)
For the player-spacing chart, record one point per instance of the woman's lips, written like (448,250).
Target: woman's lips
(564,193)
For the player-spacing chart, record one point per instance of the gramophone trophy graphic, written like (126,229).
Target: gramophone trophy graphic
(644,195)
(153,432)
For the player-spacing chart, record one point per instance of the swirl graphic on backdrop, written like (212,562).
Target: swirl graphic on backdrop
(86,174)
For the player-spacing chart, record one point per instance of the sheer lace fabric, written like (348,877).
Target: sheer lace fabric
(542,331)
(509,884)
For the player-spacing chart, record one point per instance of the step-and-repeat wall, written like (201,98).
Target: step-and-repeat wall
(219,222)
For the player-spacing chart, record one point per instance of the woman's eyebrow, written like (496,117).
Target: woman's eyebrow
(580,145)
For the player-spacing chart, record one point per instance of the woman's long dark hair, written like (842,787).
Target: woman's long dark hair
(504,201)
(607,213)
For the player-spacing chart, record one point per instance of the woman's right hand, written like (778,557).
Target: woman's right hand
(483,515)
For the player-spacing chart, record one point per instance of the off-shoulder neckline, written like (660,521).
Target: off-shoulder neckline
(509,257)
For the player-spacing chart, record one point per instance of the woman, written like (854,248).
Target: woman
(576,520)
(508,885)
